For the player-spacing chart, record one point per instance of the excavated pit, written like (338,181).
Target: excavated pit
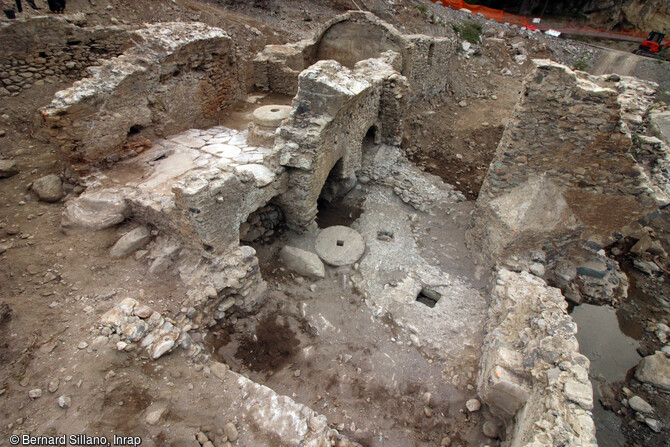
(412,342)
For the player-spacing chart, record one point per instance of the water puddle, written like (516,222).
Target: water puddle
(612,354)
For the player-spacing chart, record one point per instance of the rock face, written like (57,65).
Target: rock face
(655,370)
(48,188)
(529,335)
(302,262)
(176,77)
(133,240)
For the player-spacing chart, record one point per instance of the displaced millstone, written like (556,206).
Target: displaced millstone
(655,370)
(271,116)
(302,262)
(133,240)
(8,168)
(339,245)
(96,211)
(48,188)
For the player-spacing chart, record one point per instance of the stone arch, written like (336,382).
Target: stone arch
(356,37)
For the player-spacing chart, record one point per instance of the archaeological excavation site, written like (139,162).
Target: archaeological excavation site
(333,223)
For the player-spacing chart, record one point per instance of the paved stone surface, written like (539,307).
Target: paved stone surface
(339,245)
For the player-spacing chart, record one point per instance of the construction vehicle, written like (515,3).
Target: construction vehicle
(653,47)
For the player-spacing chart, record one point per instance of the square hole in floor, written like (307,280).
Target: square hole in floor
(428,297)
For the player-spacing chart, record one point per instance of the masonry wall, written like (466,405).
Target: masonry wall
(52,48)
(333,110)
(563,162)
(531,375)
(177,76)
(351,38)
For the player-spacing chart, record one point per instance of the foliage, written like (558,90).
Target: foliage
(422,8)
(469,31)
(580,64)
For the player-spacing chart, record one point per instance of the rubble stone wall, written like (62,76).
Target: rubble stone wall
(42,48)
(563,162)
(351,38)
(175,77)
(532,375)
(334,109)
(212,205)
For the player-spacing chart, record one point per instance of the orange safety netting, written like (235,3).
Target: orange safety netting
(489,13)
(501,16)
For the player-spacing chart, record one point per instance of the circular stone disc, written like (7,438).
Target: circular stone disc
(339,245)
(271,116)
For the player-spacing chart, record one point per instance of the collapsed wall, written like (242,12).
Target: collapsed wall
(532,375)
(351,38)
(175,77)
(562,164)
(53,48)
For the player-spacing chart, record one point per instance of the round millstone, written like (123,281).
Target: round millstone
(339,245)
(271,116)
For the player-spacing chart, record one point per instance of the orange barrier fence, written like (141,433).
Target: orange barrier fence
(489,13)
(501,16)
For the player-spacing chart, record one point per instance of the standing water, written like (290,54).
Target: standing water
(612,355)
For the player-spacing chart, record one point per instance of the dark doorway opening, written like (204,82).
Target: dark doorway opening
(333,206)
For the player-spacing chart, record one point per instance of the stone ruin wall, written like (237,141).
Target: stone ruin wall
(53,48)
(177,76)
(563,162)
(423,60)
(531,374)
(320,136)
(528,189)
